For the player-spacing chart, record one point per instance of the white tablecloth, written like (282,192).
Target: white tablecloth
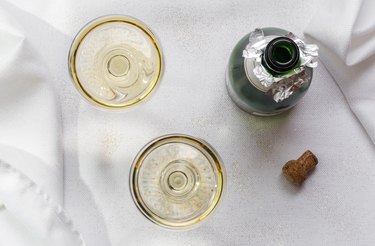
(334,207)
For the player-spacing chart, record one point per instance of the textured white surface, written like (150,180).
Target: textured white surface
(334,207)
(30,216)
(30,116)
(31,167)
(352,60)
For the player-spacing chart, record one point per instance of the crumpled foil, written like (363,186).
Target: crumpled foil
(280,86)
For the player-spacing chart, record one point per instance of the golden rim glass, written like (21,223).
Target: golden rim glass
(141,195)
(81,36)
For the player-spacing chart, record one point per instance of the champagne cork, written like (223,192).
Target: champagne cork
(296,171)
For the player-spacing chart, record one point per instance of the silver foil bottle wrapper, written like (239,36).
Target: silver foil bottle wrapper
(280,87)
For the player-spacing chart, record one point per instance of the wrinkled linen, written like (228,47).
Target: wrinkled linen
(345,31)
(31,167)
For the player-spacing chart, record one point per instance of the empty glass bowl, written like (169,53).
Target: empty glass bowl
(177,181)
(115,61)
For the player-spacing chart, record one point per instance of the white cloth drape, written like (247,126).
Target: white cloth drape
(345,31)
(28,216)
(31,171)
(260,207)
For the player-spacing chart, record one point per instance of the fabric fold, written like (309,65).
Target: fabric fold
(29,121)
(345,32)
(31,167)
(28,215)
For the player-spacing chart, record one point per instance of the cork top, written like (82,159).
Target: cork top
(296,171)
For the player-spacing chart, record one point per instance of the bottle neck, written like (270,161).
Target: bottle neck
(280,56)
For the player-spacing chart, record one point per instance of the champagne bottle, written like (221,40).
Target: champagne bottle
(269,71)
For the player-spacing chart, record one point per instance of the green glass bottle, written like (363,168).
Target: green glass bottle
(269,71)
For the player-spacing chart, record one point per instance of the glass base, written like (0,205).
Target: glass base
(115,61)
(177,181)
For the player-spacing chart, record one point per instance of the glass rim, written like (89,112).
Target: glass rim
(91,25)
(142,207)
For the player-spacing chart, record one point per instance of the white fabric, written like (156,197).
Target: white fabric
(28,216)
(334,207)
(29,141)
(29,117)
(346,34)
